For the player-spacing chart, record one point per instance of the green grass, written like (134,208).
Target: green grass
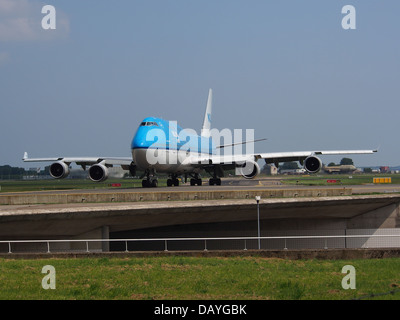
(342,179)
(69,184)
(177,277)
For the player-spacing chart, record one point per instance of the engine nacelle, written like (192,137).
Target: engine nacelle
(249,169)
(98,173)
(312,164)
(59,170)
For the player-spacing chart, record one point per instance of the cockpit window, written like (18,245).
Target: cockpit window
(148,124)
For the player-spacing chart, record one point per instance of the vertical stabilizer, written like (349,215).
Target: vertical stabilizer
(205,130)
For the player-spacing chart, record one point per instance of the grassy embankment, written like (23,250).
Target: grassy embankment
(197,278)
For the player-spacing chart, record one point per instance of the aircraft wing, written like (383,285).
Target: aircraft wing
(272,157)
(84,161)
(248,167)
(276,157)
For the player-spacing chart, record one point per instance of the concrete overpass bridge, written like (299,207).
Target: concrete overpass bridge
(222,213)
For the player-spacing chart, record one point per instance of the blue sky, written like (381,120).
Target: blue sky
(284,68)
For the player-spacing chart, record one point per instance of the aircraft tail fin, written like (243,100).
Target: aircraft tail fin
(205,131)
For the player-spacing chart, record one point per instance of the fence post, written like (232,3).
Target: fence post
(87,246)
(126,245)
(48,247)
(165,247)
(245,244)
(205,245)
(9,247)
(285,248)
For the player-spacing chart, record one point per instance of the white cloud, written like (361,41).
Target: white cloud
(20,20)
(8,7)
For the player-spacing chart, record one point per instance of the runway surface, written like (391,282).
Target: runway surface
(227,185)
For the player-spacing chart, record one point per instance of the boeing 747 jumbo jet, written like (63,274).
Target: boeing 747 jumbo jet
(161,146)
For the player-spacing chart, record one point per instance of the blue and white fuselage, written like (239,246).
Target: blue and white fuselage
(163,146)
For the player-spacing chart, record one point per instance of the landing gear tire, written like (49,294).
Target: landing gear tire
(150,183)
(172,182)
(193,182)
(214,181)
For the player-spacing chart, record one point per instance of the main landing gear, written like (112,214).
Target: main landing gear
(214,181)
(151,180)
(150,183)
(173,181)
(196,180)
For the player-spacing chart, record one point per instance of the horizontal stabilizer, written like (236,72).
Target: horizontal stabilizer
(234,144)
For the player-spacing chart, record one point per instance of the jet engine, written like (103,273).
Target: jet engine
(98,173)
(59,170)
(249,169)
(312,164)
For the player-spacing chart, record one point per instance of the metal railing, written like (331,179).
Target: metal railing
(83,245)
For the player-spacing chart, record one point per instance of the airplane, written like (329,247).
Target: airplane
(161,146)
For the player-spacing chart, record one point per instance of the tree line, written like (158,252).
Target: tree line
(9,172)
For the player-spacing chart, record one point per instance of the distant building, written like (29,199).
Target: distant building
(292,171)
(384,169)
(270,170)
(340,169)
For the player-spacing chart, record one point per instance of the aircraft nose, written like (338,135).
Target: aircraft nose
(140,138)
(138,141)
